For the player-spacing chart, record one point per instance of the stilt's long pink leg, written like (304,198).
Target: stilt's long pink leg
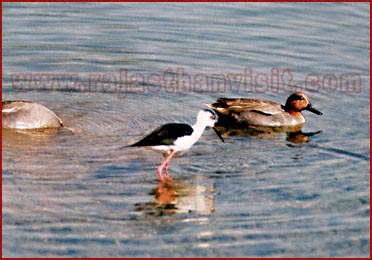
(164,164)
(166,170)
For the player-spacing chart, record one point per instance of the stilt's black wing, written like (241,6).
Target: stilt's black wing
(165,135)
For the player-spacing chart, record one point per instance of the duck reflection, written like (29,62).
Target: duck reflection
(13,138)
(300,137)
(177,196)
(294,134)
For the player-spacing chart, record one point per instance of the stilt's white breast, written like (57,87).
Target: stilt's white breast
(185,142)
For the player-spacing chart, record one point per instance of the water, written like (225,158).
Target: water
(115,71)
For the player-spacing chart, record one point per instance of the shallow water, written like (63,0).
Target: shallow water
(114,72)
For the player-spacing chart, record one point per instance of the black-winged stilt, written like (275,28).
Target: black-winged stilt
(177,137)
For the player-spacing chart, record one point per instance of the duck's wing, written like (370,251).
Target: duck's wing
(9,107)
(236,106)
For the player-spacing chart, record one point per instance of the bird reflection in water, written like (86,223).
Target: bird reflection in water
(300,137)
(294,134)
(177,196)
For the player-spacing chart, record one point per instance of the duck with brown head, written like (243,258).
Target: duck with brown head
(256,112)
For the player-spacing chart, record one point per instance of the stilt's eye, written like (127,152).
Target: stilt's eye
(213,117)
(301,98)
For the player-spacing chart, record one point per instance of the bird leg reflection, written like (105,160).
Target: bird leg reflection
(166,192)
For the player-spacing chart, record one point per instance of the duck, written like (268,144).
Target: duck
(26,115)
(263,113)
(173,138)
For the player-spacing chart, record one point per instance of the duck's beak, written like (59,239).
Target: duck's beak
(219,134)
(311,109)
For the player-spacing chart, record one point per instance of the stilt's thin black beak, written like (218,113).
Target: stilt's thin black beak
(311,109)
(219,134)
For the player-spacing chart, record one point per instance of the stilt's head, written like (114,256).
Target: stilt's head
(206,117)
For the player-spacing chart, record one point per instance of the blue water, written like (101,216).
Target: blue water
(115,71)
